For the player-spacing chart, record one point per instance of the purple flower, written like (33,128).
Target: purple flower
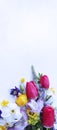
(0,114)
(12,128)
(15,91)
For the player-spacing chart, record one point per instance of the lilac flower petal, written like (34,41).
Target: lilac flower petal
(21,126)
(12,128)
(24,115)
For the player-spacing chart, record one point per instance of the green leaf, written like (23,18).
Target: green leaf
(34,75)
(48,97)
(39,75)
(38,126)
(21,89)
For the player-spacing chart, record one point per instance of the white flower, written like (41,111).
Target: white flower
(11,114)
(2,122)
(40,105)
(36,106)
(33,105)
(5,112)
(15,112)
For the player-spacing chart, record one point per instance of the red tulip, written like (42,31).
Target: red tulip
(44,81)
(48,116)
(31,90)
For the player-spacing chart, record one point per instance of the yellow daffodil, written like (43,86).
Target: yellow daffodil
(21,100)
(2,128)
(4,103)
(22,80)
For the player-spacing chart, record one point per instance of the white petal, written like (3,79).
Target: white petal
(36,106)
(5,112)
(33,105)
(13,106)
(40,105)
(2,122)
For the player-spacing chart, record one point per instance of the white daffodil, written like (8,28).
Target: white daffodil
(14,112)
(2,122)
(36,106)
(5,112)
(10,115)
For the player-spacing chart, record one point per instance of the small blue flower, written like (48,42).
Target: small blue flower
(15,91)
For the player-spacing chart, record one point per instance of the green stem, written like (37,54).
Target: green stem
(47,128)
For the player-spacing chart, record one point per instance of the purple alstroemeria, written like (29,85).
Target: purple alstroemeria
(15,91)
(12,128)
(0,114)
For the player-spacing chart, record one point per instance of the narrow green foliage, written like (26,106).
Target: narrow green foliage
(21,89)
(34,75)
(48,97)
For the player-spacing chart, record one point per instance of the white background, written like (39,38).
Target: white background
(28,35)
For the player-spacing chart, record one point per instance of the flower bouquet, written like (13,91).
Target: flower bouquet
(32,108)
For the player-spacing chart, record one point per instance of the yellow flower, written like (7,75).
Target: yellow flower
(21,100)
(52,90)
(2,128)
(32,117)
(32,114)
(4,103)
(22,80)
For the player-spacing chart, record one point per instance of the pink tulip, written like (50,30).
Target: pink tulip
(31,90)
(44,81)
(48,116)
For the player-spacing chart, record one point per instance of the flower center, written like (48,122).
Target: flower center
(12,111)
